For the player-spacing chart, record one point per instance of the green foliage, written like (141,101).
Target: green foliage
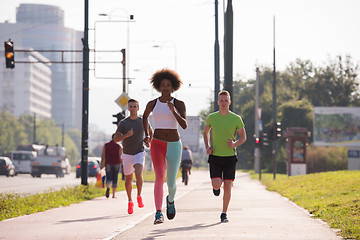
(332,197)
(297,113)
(75,136)
(15,132)
(299,88)
(12,133)
(322,159)
(14,205)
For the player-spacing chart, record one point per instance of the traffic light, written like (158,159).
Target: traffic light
(264,140)
(123,62)
(278,130)
(9,54)
(120,116)
(257,142)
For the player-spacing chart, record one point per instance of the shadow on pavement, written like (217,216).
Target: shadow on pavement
(162,232)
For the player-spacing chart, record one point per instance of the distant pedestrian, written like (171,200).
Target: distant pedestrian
(166,147)
(111,159)
(222,151)
(186,161)
(131,132)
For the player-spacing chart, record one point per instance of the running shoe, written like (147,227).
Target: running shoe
(216,192)
(107,192)
(130,207)
(223,218)
(170,209)
(159,218)
(140,202)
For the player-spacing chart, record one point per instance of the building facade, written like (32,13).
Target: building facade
(41,27)
(28,89)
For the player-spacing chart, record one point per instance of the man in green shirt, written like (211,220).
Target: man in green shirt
(222,150)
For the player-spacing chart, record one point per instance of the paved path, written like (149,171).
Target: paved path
(254,213)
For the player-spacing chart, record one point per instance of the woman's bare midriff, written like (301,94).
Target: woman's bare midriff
(169,135)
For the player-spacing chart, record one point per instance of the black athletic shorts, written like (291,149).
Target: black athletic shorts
(222,167)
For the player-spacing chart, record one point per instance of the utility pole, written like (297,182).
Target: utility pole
(228,50)
(34,137)
(216,59)
(274,109)
(123,62)
(257,150)
(62,134)
(85,108)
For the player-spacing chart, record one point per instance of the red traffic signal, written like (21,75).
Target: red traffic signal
(9,54)
(257,142)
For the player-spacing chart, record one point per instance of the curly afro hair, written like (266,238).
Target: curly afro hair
(171,75)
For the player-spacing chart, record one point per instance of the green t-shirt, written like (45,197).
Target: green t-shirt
(223,127)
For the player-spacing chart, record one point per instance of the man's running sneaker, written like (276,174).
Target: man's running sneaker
(130,207)
(140,202)
(216,192)
(107,192)
(170,209)
(159,218)
(223,218)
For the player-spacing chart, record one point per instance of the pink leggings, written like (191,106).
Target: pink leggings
(171,151)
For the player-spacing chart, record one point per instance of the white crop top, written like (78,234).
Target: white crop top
(163,117)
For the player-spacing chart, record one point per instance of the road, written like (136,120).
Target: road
(26,184)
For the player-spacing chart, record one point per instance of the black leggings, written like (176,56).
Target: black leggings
(112,172)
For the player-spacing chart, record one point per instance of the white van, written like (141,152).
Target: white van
(22,160)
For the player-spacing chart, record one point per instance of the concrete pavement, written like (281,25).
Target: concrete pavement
(254,213)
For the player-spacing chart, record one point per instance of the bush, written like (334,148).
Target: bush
(323,159)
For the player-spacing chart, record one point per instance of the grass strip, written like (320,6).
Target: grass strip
(15,205)
(333,197)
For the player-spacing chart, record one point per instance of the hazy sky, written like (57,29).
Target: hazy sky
(184,32)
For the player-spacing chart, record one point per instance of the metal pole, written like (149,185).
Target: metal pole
(85,109)
(63,133)
(216,59)
(229,50)
(274,109)
(257,150)
(124,70)
(34,137)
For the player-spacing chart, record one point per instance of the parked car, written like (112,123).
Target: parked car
(7,167)
(93,167)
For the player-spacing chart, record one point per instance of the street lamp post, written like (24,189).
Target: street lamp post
(128,18)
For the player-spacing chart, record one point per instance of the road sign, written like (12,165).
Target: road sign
(122,101)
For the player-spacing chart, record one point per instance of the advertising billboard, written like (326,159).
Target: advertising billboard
(337,126)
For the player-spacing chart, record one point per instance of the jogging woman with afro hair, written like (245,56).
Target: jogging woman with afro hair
(166,146)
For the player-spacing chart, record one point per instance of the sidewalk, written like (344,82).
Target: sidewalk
(254,213)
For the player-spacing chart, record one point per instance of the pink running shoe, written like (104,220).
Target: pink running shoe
(130,207)
(140,202)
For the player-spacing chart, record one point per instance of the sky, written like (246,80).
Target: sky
(179,34)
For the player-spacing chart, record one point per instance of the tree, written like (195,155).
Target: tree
(297,113)
(12,133)
(300,87)
(335,84)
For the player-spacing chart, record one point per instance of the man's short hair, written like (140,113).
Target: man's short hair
(133,100)
(224,92)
